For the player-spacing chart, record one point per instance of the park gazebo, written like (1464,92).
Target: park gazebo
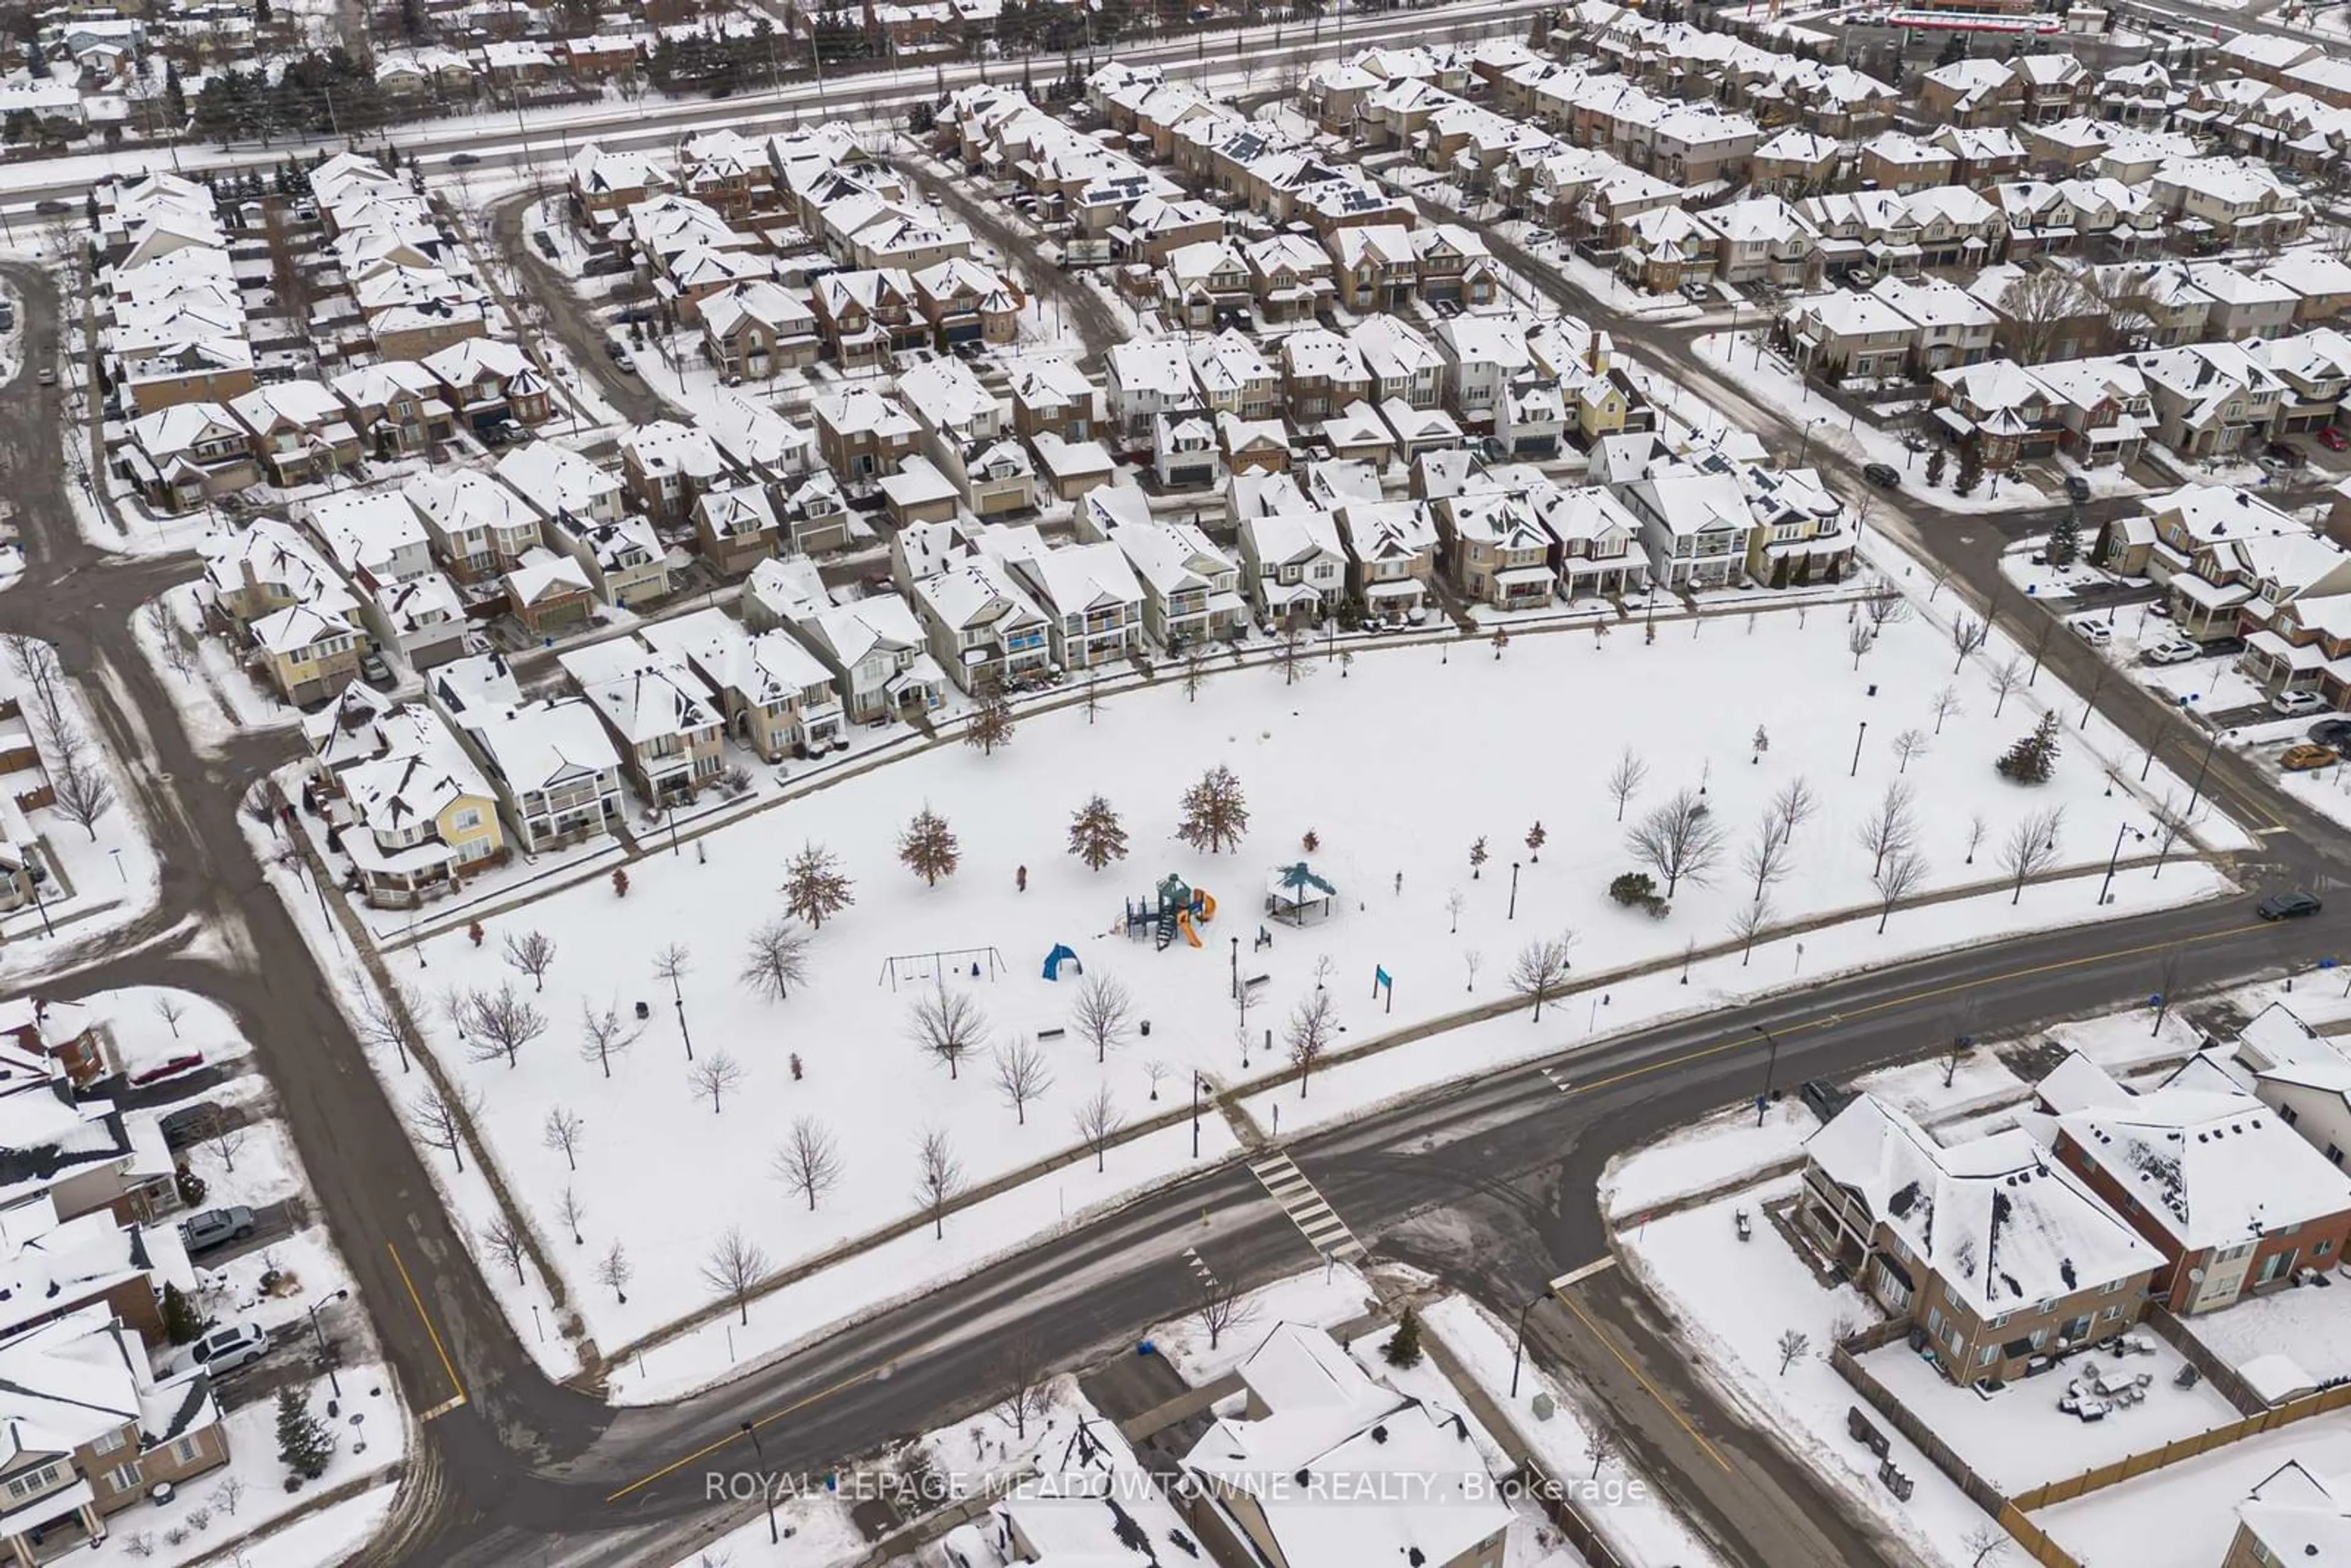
(1294,891)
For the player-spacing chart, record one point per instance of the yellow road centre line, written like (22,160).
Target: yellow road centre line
(457,1385)
(1640,1377)
(709,1449)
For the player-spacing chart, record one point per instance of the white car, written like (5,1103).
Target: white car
(2170,651)
(2293,704)
(2097,634)
(225,1349)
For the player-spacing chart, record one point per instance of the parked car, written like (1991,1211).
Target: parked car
(2287,906)
(376,669)
(225,1349)
(2332,439)
(463,160)
(2304,758)
(2076,488)
(216,1228)
(2170,651)
(47,378)
(2333,733)
(188,1124)
(2293,704)
(2284,454)
(2092,630)
(1882,475)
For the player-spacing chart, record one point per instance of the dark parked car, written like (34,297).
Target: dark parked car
(216,1228)
(189,1123)
(463,160)
(2286,454)
(1882,475)
(2287,906)
(2076,488)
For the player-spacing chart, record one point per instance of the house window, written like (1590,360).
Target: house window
(32,1483)
(2333,1154)
(186,1451)
(2110,1314)
(1935,1321)
(466,820)
(123,1478)
(2321,1248)
(107,1443)
(1985,1357)
(2287,1114)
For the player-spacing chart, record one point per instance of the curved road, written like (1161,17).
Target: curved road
(1490,1183)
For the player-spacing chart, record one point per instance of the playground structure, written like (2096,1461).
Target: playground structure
(914,966)
(1174,910)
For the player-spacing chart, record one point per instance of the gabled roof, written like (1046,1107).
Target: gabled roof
(2211,1169)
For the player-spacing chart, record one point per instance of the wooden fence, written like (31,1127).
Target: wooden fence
(2181,1449)
(2226,1380)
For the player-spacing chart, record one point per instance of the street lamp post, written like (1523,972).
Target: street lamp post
(1518,1345)
(1859,736)
(325,1352)
(2114,859)
(1513,915)
(1805,445)
(1196,1115)
(1770,1064)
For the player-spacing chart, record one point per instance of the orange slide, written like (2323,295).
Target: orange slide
(1207,908)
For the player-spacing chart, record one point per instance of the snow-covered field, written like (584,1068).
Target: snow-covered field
(2311,1325)
(2018,1438)
(2183,1516)
(155,1025)
(1427,787)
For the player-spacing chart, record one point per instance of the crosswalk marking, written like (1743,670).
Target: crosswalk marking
(1575,1275)
(1288,1187)
(1559,1080)
(1208,1275)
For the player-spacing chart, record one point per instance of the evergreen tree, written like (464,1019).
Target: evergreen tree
(2034,757)
(2064,546)
(35,62)
(1404,1346)
(1096,836)
(180,1321)
(1215,814)
(302,1444)
(261,18)
(1934,467)
(176,96)
(814,887)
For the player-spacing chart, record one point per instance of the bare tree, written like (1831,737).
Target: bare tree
(226,1140)
(928,846)
(1983,1543)
(2030,850)
(533,953)
(1101,1013)
(1909,746)
(1890,826)
(1769,855)
(1454,903)
(498,1023)
(171,1009)
(1195,672)
(2042,634)
(1860,637)
(1098,1121)
(1967,636)
(1292,655)
(1749,924)
(938,1176)
(1224,1307)
(41,680)
(1976,828)
(502,1242)
(440,1121)
(1897,876)
(2005,678)
(173,643)
(2035,307)
(1793,1342)
(814,887)
(2167,983)
(613,1271)
(1026,1381)
(715,1075)
(1313,1025)
(82,789)
(1600,1445)
(386,1020)
(1625,778)
(1795,803)
(605,1033)
(1022,1075)
(736,1264)
(808,1162)
(1540,971)
(229,1493)
(1945,706)
(1678,840)
(572,1212)
(1883,605)
(776,960)
(948,1024)
(563,1132)
(1472,961)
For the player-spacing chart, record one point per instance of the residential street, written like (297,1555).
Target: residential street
(1489,1185)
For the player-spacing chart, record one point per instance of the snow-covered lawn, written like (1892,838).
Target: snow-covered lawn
(1734,1303)
(154,1025)
(1620,1502)
(253,1481)
(2310,1325)
(2183,1516)
(1442,752)
(217,697)
(2018,1438)
(817,1529)
(1320,1298)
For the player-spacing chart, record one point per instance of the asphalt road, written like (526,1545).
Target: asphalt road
(1490,1184)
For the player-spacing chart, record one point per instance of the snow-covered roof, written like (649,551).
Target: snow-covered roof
(1997,1217)
(555,478)
(364,529)
(2211,1169)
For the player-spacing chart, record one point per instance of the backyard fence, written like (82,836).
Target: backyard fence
(2179,1449)
(2225,1379)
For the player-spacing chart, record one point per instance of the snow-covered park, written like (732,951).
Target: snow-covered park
(1382,773)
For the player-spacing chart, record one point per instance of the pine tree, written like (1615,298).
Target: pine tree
(176,96)
(260,15)
(991,722)
(814,887)
(2064,546)
(1215,814)
(2034,756)
(1096,836)
(1936,463)
(1477,857)
(928,847)
(1536,839)
(180,1321)
(302,1445)
(1404,1346)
